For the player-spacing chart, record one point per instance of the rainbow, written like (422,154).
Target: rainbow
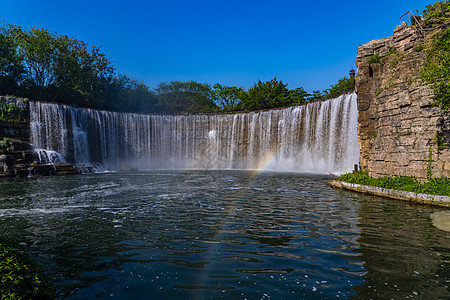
(264,162)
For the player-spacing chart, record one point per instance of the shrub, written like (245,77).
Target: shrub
(374,59)
(419,47)
(435,69)
(20,278)
(437,10)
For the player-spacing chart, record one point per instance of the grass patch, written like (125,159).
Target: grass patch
(20,278)
(435,186)
(374,59)
(419,47)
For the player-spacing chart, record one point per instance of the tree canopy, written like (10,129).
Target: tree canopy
(41,65)
(268,94)
(345,85)
(190,97)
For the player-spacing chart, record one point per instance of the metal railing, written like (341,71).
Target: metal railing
(416,21)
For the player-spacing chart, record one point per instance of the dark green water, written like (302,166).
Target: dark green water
(223,235)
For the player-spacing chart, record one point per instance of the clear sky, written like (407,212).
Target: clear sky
(304,43)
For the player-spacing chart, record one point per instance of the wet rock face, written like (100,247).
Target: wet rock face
(397,124)
(18,160)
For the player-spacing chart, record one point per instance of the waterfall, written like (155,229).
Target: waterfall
(319,137)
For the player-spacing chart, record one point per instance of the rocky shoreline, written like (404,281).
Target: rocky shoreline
(17,159)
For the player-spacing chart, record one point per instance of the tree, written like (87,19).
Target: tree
(189,96)
(265,95)
(345,85)
(299,95)
(37,49)
(11,68)
(316,94)
(81,75)
(56,68)
(228,97)
(131,95)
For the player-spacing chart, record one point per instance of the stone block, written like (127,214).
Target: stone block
(21,170)
(65,169)
(41,170)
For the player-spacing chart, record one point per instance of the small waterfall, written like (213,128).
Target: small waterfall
(319,137)
(48,156)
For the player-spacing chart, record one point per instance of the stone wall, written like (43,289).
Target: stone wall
(397,124)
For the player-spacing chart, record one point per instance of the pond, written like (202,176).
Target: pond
(224,235)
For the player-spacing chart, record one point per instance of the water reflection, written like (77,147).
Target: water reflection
(405,255)
(230,235)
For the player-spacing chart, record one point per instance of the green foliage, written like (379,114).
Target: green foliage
(299,96)
(419,47)
(127,94)
(85,76)
(41,65)
(397,55)
(189,96)
(317,94)
(6,144)
(437,10)
(20,278)
(9,113)
(393,51)
(436,69)
(378,91)
(38,51)
(265,95)
(11,66)
(441,144)
(228,97)
(374,59)
(345,85)
(435,186)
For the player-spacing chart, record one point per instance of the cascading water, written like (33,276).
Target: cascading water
(320,137)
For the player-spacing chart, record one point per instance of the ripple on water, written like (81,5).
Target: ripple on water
(223,234)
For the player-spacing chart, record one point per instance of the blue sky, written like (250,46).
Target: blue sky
(304,43)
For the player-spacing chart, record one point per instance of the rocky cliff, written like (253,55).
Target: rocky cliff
(17,156)
(398,128)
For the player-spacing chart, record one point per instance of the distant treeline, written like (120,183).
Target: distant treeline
(42,65)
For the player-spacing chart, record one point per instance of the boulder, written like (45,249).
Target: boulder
(21,170)
(41,170)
